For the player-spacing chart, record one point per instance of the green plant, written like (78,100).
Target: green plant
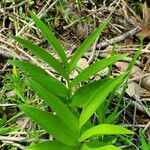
(71,124)
(144,144)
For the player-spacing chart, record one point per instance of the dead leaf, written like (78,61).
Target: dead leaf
(132,90)
(82,63)
(122,66)
(136,72)
(10,93)
(146,82)
(146,22)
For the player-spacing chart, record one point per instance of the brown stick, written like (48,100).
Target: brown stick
(118,38)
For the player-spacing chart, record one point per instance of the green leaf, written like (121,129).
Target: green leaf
(101,141)
(43,78)
(83,94)
(104,129)
(50,145)
(112,117)
(51,124)
(145,145)
(43,54)
(6,130)
(86,44)
(106,147)
(94,68)
(97,98)
(3,120)
(50,38)
(59,107)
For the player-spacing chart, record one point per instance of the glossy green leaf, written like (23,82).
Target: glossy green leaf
(94,68)
(86,45)
(43,54)
(59,107)
(51,124)
(50,145)
(106,147)
(50,38)
(97,98)
(43,78)
(83,94)
(104,129)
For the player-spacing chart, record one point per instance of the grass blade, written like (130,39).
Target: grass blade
(86,44)
(50,38)
(55,103)
(135,57)
(53,145)
(94,68)
(144,144)
(43,54)
(129,69)
(51,124)
(43,78)
(104,129)
(97,98)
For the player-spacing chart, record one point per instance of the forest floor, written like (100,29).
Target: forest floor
(72,21)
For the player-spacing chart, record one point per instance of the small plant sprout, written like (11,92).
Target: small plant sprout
(74,106)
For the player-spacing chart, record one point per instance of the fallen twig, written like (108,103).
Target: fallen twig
(15,144)
(19,139)
(138,106)
(118,38)
(9,54)
(7,105)
(15,139)
(16,5)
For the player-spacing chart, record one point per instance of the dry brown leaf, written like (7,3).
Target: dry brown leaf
(132,90)
(122,66)
(146,22)
(21,121)
(82,63)
(136,72)
(146,83)
(10,93)
(146,17)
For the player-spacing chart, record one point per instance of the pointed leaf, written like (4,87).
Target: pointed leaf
(106,147)
(144,144)
(43,78)
(51,124)
(94,68)
(50,38)
(97,98)
(83,94)
(104,129)
(43,54)
(55,103)
(50,145)
(86,44)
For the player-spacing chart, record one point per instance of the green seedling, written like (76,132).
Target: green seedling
(72,129)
